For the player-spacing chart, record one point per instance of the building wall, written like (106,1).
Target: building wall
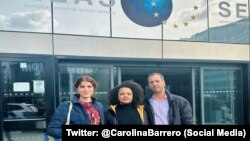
(107,47)
(205,51)
(25,43)
(31,43)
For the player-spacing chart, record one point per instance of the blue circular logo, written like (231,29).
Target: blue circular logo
(147,12)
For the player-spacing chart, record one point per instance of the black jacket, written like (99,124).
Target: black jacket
(180,111)
(110,115)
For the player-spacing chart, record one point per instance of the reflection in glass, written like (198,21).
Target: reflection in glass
(25,15)
(122,26)
(23,104)
(188,21)
(21,110)
(69,74)
(197,90)
(23,130)
(222,96)
(229,21)
(21,101)
(82,17)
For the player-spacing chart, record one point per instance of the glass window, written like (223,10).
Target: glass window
(23,100)
(222,96)
(229,21)
(24,89)
(188,21)
(25,15)
(82,17)
(135,19)
(68,74)
(197,96)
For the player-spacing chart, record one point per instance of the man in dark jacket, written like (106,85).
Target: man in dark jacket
(164,108)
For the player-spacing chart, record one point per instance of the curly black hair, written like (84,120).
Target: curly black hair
(138,93)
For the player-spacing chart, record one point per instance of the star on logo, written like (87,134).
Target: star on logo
(156,14)
(186,24)
(147,13)
(193,17)
(179,25)
(175,26)
(153,4)
(196,7)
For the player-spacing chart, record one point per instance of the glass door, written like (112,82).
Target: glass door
(178,80)
(69,73)
(23,100)
(222,96)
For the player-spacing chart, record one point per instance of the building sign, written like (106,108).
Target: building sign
(147,12)
(122,18)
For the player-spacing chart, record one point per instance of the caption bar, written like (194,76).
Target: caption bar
(184,132)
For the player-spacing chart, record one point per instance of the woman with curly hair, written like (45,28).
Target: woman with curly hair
(126,105)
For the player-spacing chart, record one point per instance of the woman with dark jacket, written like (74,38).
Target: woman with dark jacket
(86,109)
(126,105)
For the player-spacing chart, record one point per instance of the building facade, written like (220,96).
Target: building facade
(201,47)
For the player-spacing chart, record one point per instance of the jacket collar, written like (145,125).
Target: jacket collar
(169,96)
(140,109)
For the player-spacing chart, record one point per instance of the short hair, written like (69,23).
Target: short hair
(138,93)
(86,78)
(156,73)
